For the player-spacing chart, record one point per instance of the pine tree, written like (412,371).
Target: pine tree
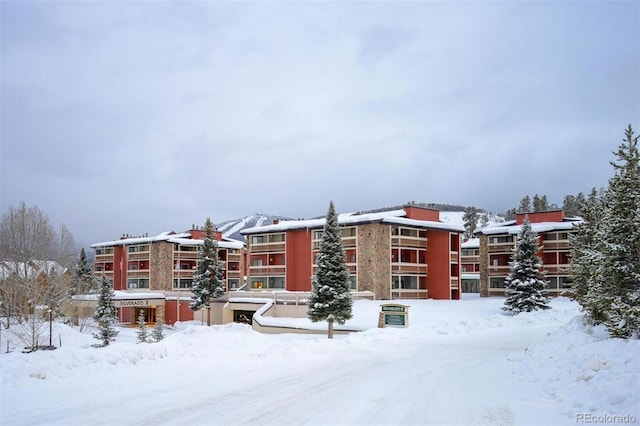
(470,219)
(208,278)
(105,314)
(82,281)
(330,297)
(525,285)
(619,242)
(142,333)
(585,257)
(525,205)
(158,331)
(510,214)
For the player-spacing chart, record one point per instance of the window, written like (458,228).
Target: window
(267,282)
(353,282)
(317,235)
(348,232)
(99,268)
(138,248)
(497,282)
(404,282)
(234,284)
(133,283)
(256,261)
(352,258)
(257,239)
(463,269)
(133,266)
(276,238)
(182,282)
(405,232)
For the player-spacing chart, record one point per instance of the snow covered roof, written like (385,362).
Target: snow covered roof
(429,224)
(164,236)
(183,238)
(392,216)
(511,228)
(227,243)
(471,243)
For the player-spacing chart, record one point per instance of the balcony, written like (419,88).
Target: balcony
(501,248)
(183,273)
(408,268)
(268,247)
(103,258)
(415,242)
(455,282)
(138,273)
(267,270)
(190,255)
(454,257)
(138,256)
(409,294)
(557,245)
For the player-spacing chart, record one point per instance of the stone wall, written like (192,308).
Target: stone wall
(161,266)
(374,254)
(484,266)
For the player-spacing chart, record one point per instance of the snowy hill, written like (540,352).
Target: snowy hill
(457,218)
(232,228)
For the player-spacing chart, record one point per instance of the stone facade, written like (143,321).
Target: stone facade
(161,266)
(484,266)
(374,252)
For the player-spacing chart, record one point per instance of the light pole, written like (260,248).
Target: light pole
(50,326)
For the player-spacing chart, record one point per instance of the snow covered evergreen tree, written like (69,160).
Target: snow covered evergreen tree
(330,297)
(142,333)
(208,278)
(525,284)
(105,314)
(82,281)
(585,258)
(619,234)
(158,331)
(470,219)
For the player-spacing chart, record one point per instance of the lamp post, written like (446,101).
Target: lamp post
(50,326)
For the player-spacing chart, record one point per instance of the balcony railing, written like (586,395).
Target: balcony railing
(267,247)
(267,270)
(409,294)
(454,257)
(455,282)
(138,256)
(409,268)
(191,255)
(562,245)
(501,248)
(557,269)
(408,242)
(138,273)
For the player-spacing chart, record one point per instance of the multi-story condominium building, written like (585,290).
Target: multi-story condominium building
(497,243)
(157,272)
(470,265)
(403,253)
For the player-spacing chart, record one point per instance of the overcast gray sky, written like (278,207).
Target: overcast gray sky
(134,117)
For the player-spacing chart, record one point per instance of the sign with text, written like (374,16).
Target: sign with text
(393,315)
(136,303)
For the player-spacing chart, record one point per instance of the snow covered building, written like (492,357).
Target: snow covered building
(164,265)
(497,243)
(403,253)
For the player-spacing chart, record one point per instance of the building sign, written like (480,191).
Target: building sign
(393,315)
(136,303)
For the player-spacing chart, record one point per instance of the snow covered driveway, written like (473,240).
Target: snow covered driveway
(458,363)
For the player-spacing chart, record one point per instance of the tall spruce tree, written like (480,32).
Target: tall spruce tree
(470,219)
(525,205)
(525,284)
(585,257)
(330,297)
(208,278)
(82,280)
(615,288)
(158,331)
(106,313)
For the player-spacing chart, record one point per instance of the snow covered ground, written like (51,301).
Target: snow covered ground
(458,362)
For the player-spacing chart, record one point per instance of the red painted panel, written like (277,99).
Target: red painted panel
(421,213)
(438,278)
(537,217)
(298,259)
(171,314)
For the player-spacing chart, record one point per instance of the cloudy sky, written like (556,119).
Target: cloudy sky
(134,117)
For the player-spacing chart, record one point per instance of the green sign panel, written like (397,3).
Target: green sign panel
(395,319)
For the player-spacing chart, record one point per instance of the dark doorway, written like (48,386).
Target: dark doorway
(244,317)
